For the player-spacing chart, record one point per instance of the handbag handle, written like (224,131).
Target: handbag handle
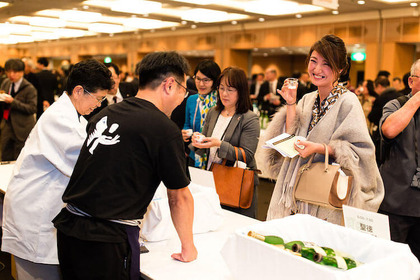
(326,158)
(237,156)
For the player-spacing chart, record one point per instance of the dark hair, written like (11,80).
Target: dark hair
(383,73)
(333,50)
(14,64)
(397,79)
(157,66)
(381,80)
(210,69)
(236,78)
(371,88)
(110,64)
(91,75)
(43,61)
(405,79)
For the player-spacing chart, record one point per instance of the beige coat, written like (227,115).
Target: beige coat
(343,128)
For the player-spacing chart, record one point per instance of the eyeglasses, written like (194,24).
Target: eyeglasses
(415,76)
(99,100)
(228,90)
(205,80)
(186,90)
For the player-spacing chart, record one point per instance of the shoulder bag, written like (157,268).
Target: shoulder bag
(234,185)
(322,184)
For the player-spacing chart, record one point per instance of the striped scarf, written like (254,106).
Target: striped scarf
(321,108)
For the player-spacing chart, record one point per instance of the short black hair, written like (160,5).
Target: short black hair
(236,78)
(405,79)
(384,73)
(14,64)
(91,74)
(110,64)
(210,69)
(157,66)
(381,80)
(43,61)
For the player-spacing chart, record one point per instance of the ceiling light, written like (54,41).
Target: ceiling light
(80,16)
(39,36)
(136,7)
(361,2)
(278,7)
(234,22)
(298,15)
(184,22)
(69,33)
(21,39)
(143,23)
(335,12)
(105,28)
(3,4)
(197,2)
(261,19)
(10,28)
(413,4)
(193,26)
(207,15)
(47,22)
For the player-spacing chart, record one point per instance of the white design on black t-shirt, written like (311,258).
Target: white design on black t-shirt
(98,137)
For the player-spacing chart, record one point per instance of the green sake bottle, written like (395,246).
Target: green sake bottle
(270,239)
(335,261)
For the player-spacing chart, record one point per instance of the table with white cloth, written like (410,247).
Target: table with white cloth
(158,264)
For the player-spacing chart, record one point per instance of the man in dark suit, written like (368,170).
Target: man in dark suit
(254,89)
(268,97)
(19,108)
(118,93)
(47,86)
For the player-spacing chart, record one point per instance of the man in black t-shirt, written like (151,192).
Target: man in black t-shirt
(131,147)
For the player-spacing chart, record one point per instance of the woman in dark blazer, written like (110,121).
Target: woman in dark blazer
(231,124)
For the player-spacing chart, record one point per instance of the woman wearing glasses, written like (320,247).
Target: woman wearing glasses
(231,124)
(198,105)
(42,172)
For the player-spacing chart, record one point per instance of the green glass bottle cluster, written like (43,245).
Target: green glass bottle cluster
(308,250)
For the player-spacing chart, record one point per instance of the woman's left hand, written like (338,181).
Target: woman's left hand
(309,148)
(207,143)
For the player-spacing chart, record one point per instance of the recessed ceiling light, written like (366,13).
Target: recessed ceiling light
(413,4)
(234,22)
(298,15)
(361,2)
(3,4)
(335,12)
(261,19)
(193,26)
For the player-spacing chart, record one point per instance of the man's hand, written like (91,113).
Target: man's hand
(187,255)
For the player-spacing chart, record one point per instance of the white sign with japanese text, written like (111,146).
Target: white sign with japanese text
(368,222)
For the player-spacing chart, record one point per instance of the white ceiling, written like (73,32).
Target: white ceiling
(21,20)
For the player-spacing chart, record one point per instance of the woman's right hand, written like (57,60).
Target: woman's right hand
(185,135)
(288,94)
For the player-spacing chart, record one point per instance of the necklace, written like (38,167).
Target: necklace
(228,113)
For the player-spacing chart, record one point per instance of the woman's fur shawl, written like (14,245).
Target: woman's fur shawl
(344,129)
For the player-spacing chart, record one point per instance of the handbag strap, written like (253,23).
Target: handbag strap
(308,164)
(237,154)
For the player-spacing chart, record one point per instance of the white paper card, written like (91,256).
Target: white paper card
(284,144)
(368,222)
(202,177)
(6,171)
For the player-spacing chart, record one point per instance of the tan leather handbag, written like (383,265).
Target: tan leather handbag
(320,184)
(234,185)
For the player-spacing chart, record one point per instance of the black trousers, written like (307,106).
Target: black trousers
(405,229)
(92,260)
(10,145)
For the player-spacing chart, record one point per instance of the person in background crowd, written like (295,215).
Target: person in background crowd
(306,81)
(231,124)
(385,94)
(98,231)
(47,86)
(42,172)
(268,97)
(406,90)
(198,105)
(367,95)
(19,108)
(397,84)
(399,127)
(255,86)
(332,116)
(30,72)
(119,91)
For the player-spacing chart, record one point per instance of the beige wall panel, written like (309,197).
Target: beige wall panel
(241,40)
(285,65)
(371,63)
(355,33)
(341,30)
(411,30)
(403,59)
(303,36)
(322,30)
(392,30)
(371,32)
(273,38)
